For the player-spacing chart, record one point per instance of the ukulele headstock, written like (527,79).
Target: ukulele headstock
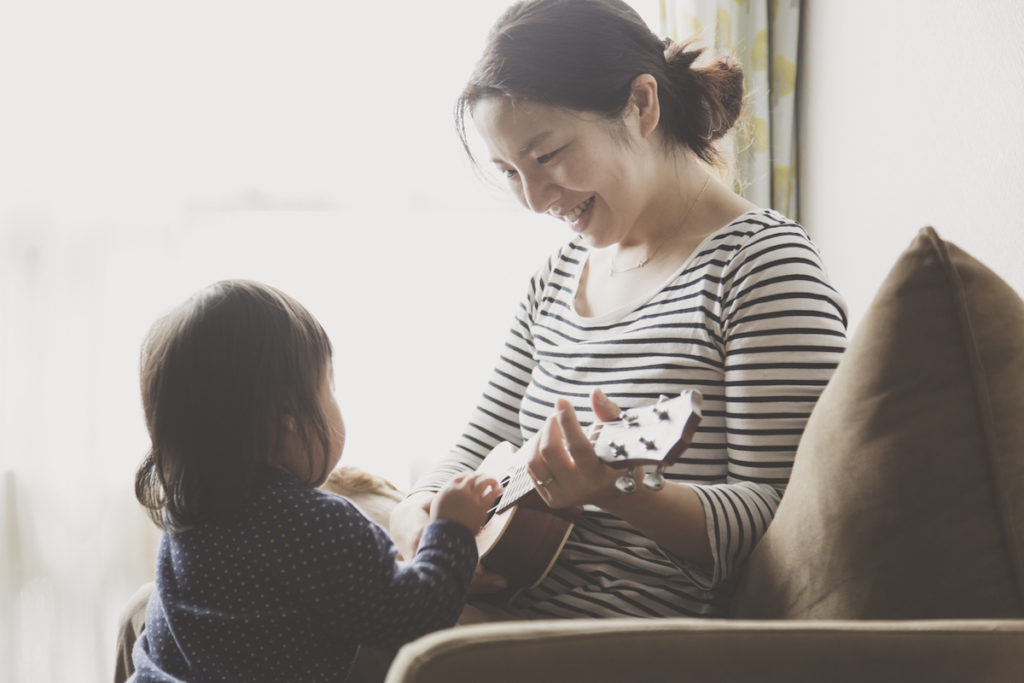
(651,435)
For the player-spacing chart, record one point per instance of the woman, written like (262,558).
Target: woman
(671,282)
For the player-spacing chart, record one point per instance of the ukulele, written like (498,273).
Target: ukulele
(523,536)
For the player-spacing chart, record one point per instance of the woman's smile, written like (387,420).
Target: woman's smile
(559,161)
(574,216)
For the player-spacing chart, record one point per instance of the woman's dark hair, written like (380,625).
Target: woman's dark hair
(219,376)
(584,55)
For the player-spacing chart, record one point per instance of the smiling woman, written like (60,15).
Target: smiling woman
(671,282)
(149,150)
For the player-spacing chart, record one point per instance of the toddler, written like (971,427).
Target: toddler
(260,575)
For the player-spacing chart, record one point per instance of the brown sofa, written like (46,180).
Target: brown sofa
(897,553)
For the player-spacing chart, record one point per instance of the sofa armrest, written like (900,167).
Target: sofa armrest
(626,650)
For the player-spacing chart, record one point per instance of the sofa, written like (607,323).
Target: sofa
(897,552)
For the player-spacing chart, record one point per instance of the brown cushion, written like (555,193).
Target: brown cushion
(677,649)
(907,494)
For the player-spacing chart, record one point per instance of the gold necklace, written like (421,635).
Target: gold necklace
(613,271)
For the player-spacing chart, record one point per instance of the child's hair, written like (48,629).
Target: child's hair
(220,375)
(584,54)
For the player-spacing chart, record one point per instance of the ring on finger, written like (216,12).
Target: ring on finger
(543,482)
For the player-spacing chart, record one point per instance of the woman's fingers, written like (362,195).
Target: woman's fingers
(581,450)
(605,409)
(565,469)
(550,452)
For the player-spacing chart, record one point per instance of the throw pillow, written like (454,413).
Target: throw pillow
(907,494)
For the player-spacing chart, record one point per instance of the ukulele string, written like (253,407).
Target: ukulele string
(519,481)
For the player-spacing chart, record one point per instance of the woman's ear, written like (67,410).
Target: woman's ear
(644,104)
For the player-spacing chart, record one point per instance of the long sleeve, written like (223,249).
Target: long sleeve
(291,586)
(395,601)
(782,330)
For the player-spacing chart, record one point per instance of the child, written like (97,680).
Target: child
(260,575)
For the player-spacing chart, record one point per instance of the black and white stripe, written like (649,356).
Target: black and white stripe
(751,321)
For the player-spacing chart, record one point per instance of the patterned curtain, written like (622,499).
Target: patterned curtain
(763,35)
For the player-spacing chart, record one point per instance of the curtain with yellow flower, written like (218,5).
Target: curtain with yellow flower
(763,35)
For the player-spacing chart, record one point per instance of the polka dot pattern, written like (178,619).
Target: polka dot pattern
(288,588)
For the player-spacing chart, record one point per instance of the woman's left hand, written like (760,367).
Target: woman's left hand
(564,467)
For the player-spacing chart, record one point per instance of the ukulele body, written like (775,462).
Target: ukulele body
(521,542)
(523,537)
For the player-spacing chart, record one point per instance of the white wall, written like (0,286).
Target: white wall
(912,114)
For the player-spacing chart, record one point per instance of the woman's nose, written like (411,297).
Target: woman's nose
(538,193)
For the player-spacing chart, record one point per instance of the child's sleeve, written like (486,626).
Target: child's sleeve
(364,595)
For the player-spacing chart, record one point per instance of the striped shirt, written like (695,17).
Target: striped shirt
(750,321)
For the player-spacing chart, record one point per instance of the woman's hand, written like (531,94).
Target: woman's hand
(564,466)
(572,474)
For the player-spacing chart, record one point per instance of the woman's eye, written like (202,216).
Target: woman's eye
(509,173)
(545,158)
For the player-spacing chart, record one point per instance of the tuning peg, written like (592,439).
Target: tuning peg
(631,419)
(648,443)
(627,482)
(655,480)
(658,410)
(619,449)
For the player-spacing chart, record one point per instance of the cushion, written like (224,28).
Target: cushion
(907,493)
(673,650)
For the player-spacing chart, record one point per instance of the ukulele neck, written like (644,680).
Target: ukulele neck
(519,486)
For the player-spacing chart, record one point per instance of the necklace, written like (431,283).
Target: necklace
(613,271)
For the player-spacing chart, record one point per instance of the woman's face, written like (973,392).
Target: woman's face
(575,166)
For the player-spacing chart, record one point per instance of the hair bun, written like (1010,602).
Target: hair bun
(584,55)
(680,56)
(717,86)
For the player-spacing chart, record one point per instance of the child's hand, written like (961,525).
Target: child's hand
(466,500)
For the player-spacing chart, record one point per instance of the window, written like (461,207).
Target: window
(148,149)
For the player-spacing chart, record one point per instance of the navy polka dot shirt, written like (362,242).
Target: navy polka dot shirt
(288,588)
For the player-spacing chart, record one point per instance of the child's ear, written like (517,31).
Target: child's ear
(288,423)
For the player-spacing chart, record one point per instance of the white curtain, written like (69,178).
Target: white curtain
(764,36)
